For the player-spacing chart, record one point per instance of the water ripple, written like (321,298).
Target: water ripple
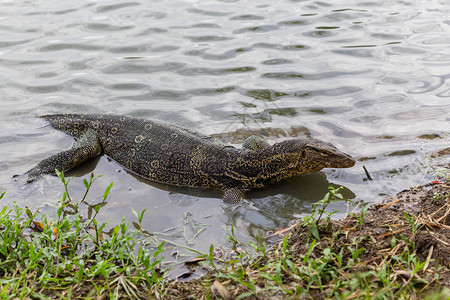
(72,46)
(298,22)
(223,56)
(141,68)
(272,95)
(105,27)
(142,49)
(207,38)
(109,8)
(216,71)
(208,13)
(256,29)
(246,18)
(316,76)
(6,44)
(320,33)
(277,61)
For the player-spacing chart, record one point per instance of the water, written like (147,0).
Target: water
(370,77)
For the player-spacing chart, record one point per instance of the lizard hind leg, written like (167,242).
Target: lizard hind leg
(232,196)
(83,149)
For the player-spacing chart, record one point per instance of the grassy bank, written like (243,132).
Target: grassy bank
(69,256)
(398,249)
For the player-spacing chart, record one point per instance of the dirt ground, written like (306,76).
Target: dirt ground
(385,234)
(430,206)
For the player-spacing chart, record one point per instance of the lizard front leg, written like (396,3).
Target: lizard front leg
(83,149)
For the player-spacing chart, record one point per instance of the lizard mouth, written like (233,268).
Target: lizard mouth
(343,161)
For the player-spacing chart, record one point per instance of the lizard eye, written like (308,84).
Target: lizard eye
(303,155)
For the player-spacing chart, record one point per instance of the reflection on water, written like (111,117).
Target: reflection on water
(370,77)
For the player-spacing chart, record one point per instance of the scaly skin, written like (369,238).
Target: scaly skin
(177,156)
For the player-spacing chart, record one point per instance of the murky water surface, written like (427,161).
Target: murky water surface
(372,77)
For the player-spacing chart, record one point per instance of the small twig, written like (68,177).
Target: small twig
(392,252)
(392,233)
(431,224)
(389,204)
(356,207)
(438,210)
(430,252)
(428,284)
(348,228)
(447,212)
(439,240)
(374,241)
(340,268)
(283,230)
(367,173)
(367,261)
(435,223)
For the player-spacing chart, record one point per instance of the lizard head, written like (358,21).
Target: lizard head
(310,155)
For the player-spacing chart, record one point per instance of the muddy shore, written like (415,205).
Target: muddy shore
(407,236)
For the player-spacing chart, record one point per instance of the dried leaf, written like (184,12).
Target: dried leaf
(39,225)
(219,289)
